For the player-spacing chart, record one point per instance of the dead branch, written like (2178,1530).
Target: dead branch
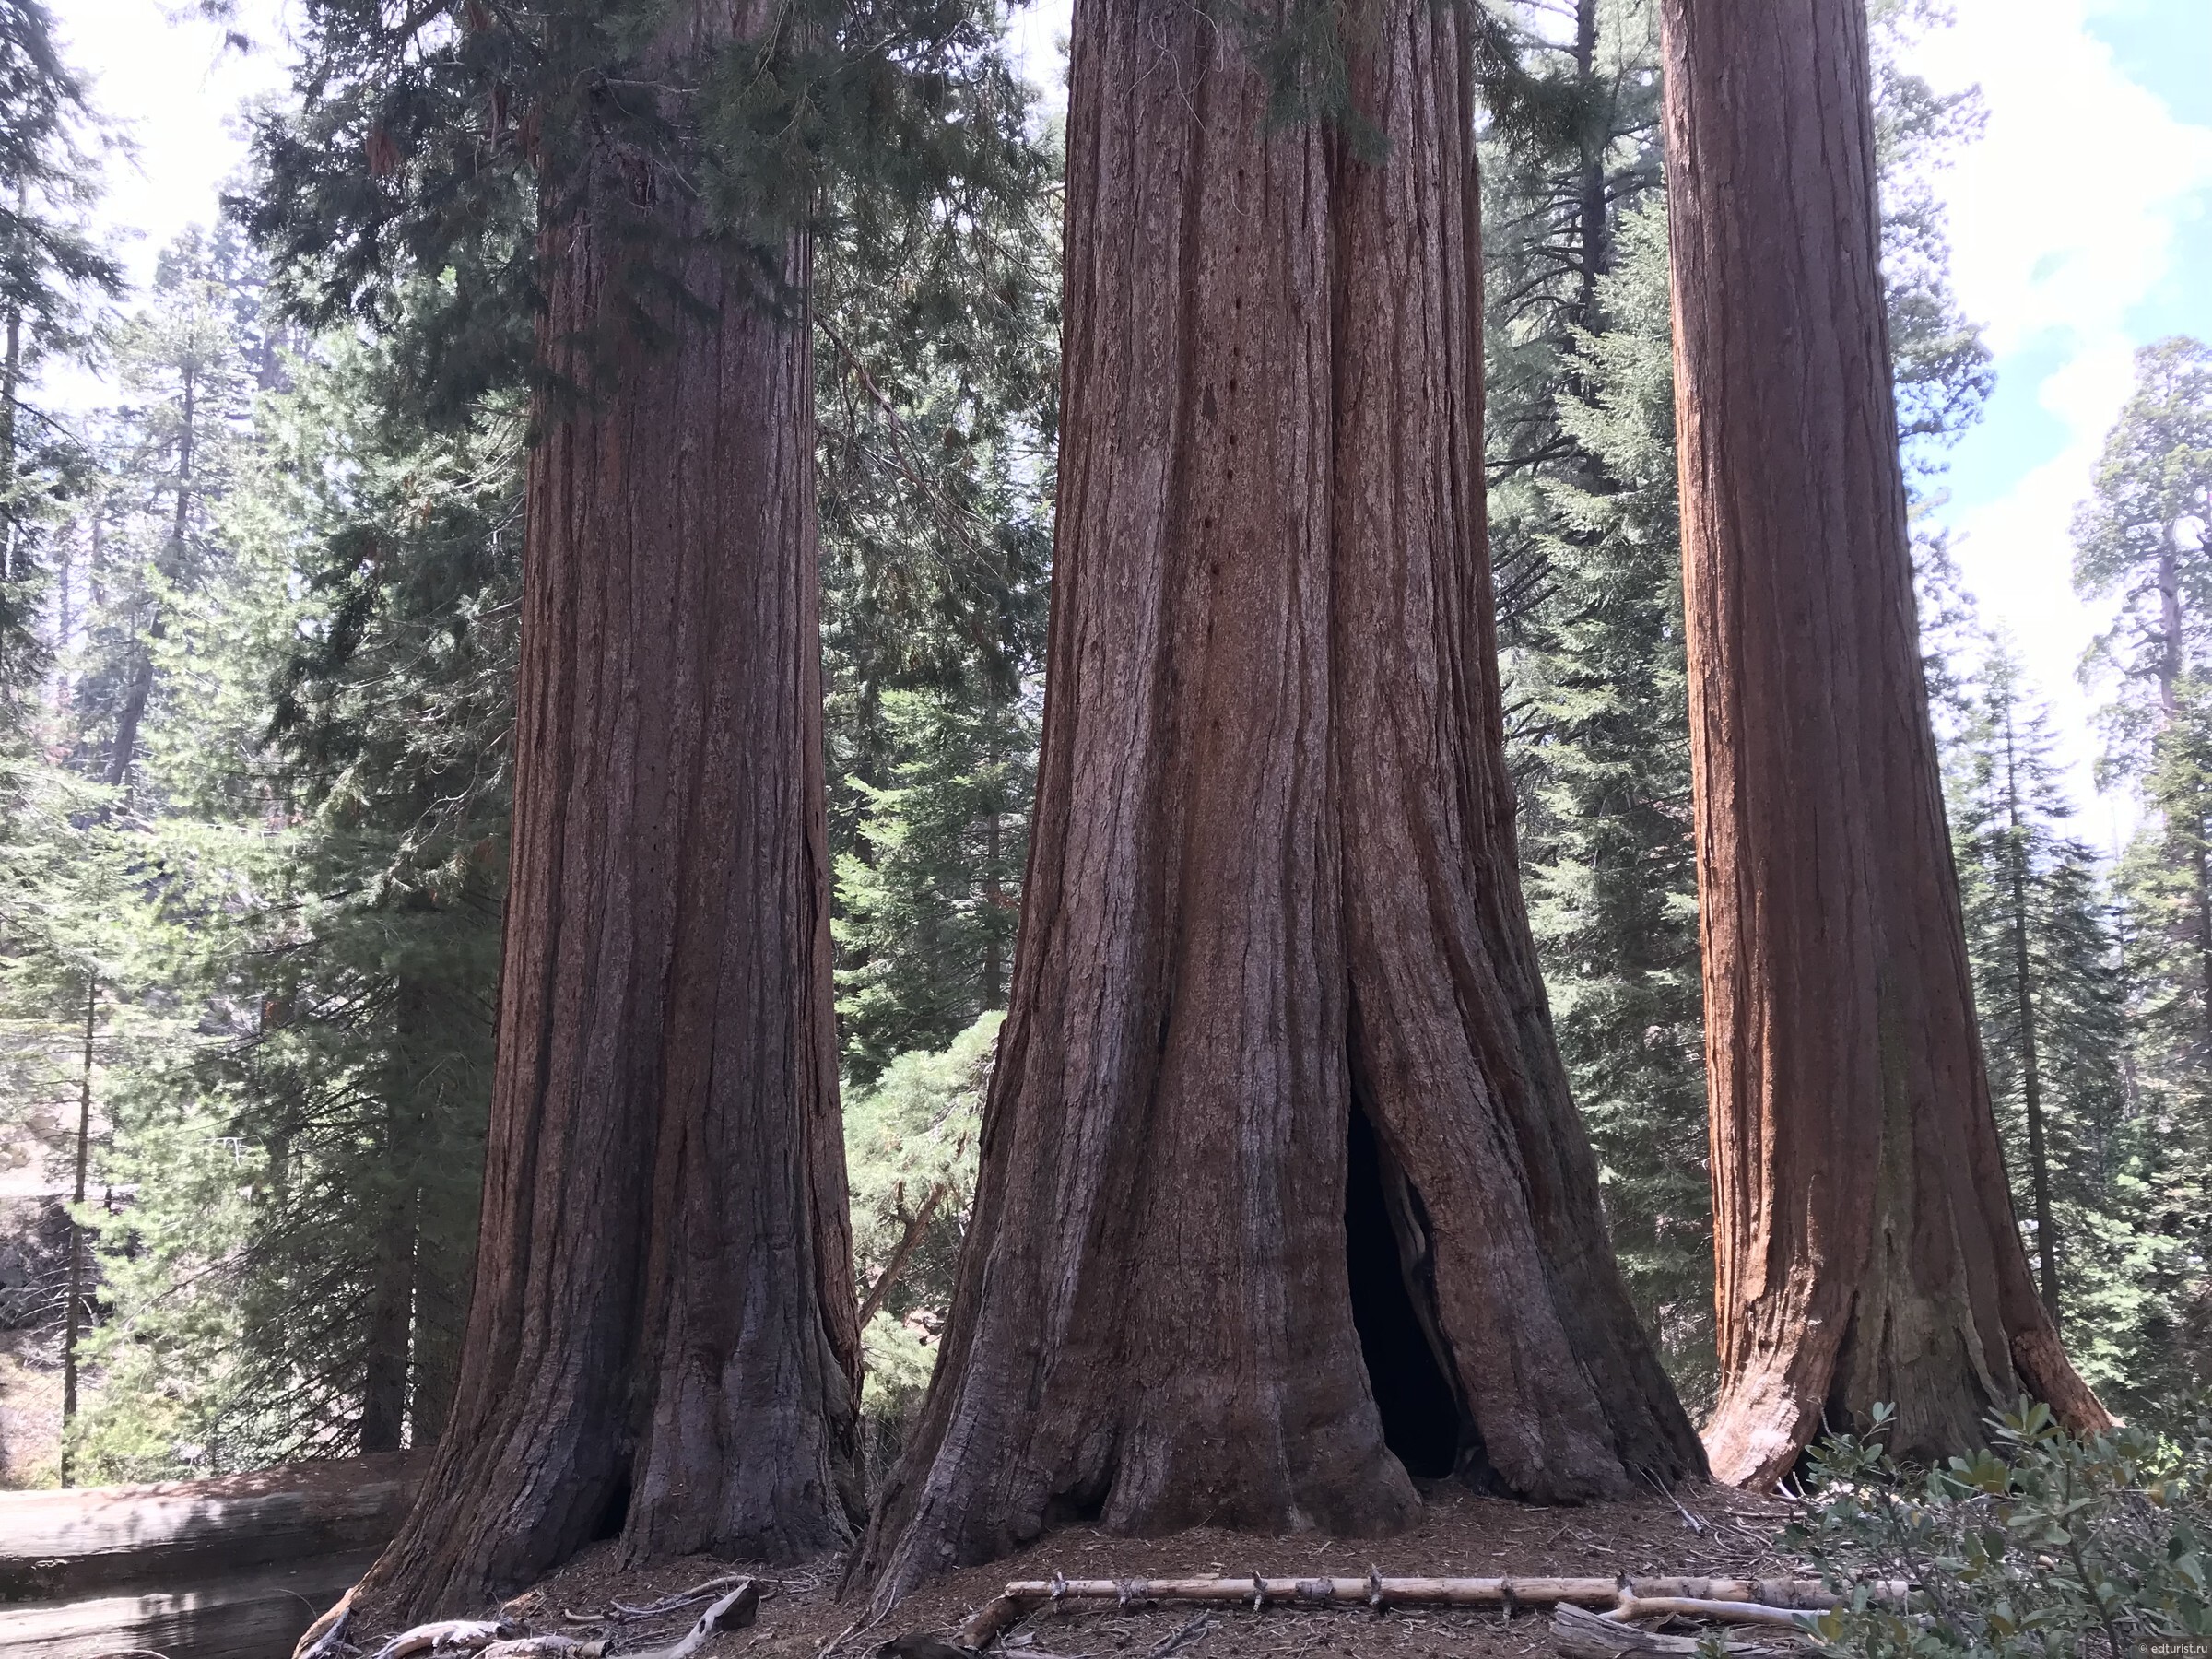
(616,1612)
(545,1647)
(1633,1607)
(889,1274)
(1189,1636)
(327,1634)
(1581,1634)
(990,1622)
(733,1612)
(446,1636)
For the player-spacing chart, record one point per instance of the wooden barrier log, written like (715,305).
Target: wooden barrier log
(180,1535)
(255,1615)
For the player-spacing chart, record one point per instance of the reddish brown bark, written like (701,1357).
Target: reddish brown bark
(1277,1073)
(662,1336)
(1864,1235)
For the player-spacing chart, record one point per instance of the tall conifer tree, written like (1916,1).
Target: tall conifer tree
(1277,1080)
(1851,1267)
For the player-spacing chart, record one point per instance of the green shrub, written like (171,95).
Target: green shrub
(2043,1545)
(910,1152)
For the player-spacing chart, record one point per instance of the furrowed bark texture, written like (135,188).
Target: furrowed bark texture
(1864,1235)
(662,1334)
(1271,894)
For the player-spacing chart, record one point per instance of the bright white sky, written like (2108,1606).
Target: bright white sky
(2081,225)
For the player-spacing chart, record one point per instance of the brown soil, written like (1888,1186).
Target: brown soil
(1458,1534)
(30,1409)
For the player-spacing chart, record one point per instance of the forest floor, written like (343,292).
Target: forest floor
(1723,1534)
(31,1408)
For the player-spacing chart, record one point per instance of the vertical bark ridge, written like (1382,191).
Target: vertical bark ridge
(1865,1244)
(1271,790)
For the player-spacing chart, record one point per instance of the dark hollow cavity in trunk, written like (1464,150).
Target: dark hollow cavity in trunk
(1425,1423)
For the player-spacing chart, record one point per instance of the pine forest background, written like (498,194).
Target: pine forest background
(257,634)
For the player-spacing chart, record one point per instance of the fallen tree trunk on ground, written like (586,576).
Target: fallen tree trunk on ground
(1726,1600)
(184,1535)
(1024,1596)
(249,1616)
(226,1569)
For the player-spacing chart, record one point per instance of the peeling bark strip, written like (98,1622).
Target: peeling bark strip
(662,1334)
(1272,889)
(1863,1232)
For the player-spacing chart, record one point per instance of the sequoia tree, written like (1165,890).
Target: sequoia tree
(1282,1196)
(662,1340)
(1865,1242)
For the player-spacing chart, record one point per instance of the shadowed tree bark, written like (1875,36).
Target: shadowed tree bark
(661,1339)
(1280,1176)
(1863,1234)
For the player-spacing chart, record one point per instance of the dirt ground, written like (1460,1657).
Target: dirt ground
(1711,1531)
(30,1409)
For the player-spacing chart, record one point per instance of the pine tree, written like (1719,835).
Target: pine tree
(2090,1167)
(53,270)
(1610,860)
(937,372)
(184,363)
(2161,878)
(928,907)
(2141,538)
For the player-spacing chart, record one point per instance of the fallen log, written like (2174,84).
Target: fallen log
(249,1616)
(1027,1595)
(67,1546)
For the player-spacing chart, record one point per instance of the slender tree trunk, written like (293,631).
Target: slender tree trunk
(65,617)
(387,1345)
(170,566)
(1593,228)
(1865,1243)
(1279,1172)
(2170,627)
(661,1339)
(11,386)
(11,369)
(73,1316)
(2031,1075)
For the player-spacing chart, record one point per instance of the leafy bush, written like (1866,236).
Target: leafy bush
(2044,1544)
(910,1154)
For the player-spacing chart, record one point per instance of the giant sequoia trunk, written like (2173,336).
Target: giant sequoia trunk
(662,1339)
(1863,1231)
(1280,1176)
